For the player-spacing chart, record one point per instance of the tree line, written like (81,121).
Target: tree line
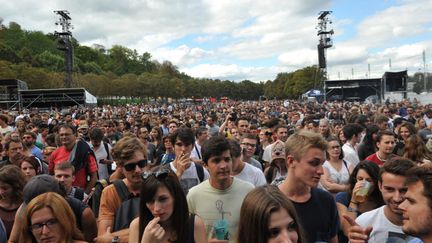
(33,57)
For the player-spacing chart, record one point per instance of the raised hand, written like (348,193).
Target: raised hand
(356,233)
(153,232)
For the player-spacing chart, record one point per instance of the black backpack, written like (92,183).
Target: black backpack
(94,201)
(129,207)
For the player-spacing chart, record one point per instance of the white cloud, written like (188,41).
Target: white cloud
(182,55)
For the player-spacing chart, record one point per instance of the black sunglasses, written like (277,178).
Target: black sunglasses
(132,166)
(160,174)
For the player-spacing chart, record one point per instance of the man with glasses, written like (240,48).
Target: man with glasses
(130,156)
(248,144)
(81,156)
(29,139)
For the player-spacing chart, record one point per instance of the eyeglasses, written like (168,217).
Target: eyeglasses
(132,166)
(160,174)
(27,137)
(39,226)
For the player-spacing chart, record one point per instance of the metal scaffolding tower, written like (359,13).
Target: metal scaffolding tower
(65,44)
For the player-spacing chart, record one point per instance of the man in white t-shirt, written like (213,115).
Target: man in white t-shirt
(352,133)
(384,224)
(243,170)
(189,173)
(201,135)
(102,153)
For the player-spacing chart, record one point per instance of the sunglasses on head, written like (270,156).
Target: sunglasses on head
(132,166)
(160,174)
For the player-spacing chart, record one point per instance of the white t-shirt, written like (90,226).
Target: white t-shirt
(252,175)
(196,151)
(6,130)
(383,230)
(101,153)
(190,177)
(350,154)
(267,153)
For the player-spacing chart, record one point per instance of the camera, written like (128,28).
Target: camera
(233,116)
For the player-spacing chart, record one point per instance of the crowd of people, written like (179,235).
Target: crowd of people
(268,171)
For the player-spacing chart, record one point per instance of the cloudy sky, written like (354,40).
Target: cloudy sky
(244,39)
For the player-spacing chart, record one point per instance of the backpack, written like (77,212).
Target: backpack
(109,167)
(79,194)
(94,201)
(129,207)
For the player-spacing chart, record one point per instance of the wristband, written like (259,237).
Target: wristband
(354,210)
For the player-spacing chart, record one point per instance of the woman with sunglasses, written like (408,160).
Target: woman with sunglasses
(164,214)
(49,218)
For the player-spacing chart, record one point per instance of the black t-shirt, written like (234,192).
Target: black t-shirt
(78,208)
(318,216)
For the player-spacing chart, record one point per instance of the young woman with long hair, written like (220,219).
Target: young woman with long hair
(164,214)
(268,216)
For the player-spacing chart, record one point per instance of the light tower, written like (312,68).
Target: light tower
(65,44)
(325,42)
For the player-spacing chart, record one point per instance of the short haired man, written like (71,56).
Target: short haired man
(172,126)
(102,152)
(306,153)
(143,135)
(280,133)
(218,200)
(242,124)
(385,144)
(79,154)
(417,206)
(130,156)
(14,150)
(386,221)
(242,170)
(211,125)
(29,140)
(352,133)
(248,144)
(201,135)
(186,170)
(65,175)
(382,122)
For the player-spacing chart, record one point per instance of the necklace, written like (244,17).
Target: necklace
(383,160)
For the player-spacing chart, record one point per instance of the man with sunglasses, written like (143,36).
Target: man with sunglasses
(218,200)
(130,156)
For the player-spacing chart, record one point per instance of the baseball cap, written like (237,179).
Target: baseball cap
(40,184)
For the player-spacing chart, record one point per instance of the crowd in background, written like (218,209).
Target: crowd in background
(179,147)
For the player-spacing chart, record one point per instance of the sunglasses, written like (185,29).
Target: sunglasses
(132,166)
(160,174)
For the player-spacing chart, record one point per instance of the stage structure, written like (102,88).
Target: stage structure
(14,95)
(65,44)
(324,43)
(360,89)
(60,98)
(9,93)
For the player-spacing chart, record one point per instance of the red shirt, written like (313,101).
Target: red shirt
(374,158)
(61,155)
